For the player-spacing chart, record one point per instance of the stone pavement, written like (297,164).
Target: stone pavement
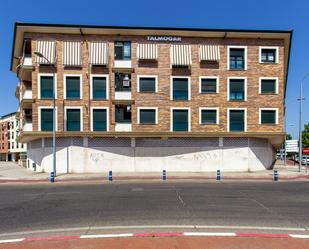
(11,172)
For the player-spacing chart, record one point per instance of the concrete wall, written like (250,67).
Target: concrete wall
(78,155)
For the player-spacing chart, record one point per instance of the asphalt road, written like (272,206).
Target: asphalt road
(254,204)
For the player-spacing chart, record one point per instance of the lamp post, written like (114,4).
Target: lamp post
(300,122)
(54,110)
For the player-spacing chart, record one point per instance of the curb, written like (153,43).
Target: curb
(159,234)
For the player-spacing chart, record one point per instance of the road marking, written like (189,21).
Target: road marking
(208,234)
(11,240)
(299,236)
(93,236)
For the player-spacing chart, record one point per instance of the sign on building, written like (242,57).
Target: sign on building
(291,146)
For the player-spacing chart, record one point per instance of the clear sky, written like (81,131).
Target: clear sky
(238,14)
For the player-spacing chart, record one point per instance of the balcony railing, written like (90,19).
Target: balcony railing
(123,127)
(27,94)
(27,126)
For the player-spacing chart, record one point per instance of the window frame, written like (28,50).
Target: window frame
(269,78)
(268,47)
(172,87)
(107,117)
(80,85)
(107,86)
(245,118)
(211,109)
(123,42)
(245,88)
(269,109)
(39,75)
(147,76)
(148,108)
(209,77)
(39,116)
(172,117)
(81,117)
(245,55)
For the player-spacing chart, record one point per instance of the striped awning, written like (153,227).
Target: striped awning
(98,53)
(209,53)
(48,49)
(72,53)
(181,55)
(147,51)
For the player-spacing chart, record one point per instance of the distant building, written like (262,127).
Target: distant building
(10,149)
(135,99)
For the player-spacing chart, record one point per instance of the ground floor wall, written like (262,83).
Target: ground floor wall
(80,155)
(9,157)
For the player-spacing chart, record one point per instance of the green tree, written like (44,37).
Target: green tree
(288,136)
(305,136)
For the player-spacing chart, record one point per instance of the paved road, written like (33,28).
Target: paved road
(89,207)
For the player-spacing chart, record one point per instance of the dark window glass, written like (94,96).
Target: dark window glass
(147,85)
(268,117)
(122,50)
(180,89)
(46,119)
(237,120)
(99,87)
(209,86)
(237,58)
(180,120)
(73,120)
(268,86)
(209,116)
(147,116)
(268,55)
(237,89)
(72,87)
(121,84)
(47,87)
(123,114)
(99,120)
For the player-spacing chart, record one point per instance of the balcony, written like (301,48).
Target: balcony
(122,64)
(27,126)
(123,127)
(27,94)
(26,68)
(119,95)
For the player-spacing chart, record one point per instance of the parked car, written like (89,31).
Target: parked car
(305,160)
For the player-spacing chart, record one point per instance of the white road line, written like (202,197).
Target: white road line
(208,234)
(253,228)
(93,236)
(299,236)
(11,240)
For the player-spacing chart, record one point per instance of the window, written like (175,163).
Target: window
(209,85)
(122,50)
(180,89)
(147,116)
(123,82)
(268,116)
(73,120)
(73,87)
(268,86)
(237,120)
(147,84)
(123,113)
(180,120)
(269,55)
(99,87)
(209,116)
(46,119)
(237,89)
(12,145)
(99,119)
(237,58)
(46,87)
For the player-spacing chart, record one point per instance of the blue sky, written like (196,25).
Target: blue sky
(239,14)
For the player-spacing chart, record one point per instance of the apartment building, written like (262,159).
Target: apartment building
(133,99)
(10,148)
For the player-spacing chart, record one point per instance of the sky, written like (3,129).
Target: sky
(236,14)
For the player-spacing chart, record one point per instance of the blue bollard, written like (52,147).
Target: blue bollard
(218,175)
(52,177)
(164,175)
(110,175)
(276,175)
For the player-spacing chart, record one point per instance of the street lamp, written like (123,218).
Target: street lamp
(300,122)
(54,109)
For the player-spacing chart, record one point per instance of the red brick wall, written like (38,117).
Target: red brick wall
(3,136)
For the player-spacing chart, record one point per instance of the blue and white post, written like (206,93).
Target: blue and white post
(276,175)
(164,175)
(218,175)
(110,175)
(52,177)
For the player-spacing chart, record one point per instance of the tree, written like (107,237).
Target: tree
(305,136)
(288,136)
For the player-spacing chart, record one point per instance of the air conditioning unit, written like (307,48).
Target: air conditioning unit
(128,108)
(126,83)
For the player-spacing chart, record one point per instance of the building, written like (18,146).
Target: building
(10,148)
(136,99)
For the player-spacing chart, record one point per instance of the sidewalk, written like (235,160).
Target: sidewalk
(11,172)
